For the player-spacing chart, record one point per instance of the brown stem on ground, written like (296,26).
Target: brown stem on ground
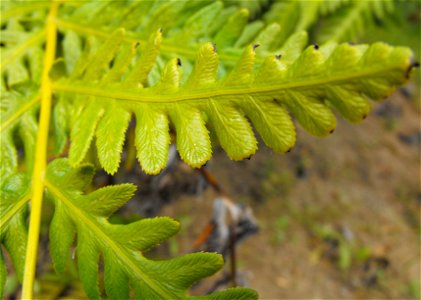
(233,255)
(211,179)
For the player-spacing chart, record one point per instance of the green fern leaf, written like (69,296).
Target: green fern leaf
(119,246)
(329,7)
(292,16)
(20,47)
(352,20)
(18,113)
(118,65)
(14,195)
(307,84)
(232,29)
(185,25)
(255,7)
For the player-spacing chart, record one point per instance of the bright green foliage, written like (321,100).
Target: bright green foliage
(329,20)
(306,83)
(353,19)
(201,68)
(21,67)
(119,247)
(293,16)
(18,113)
(254,7)
(14,194)
(183,23)
(24,47)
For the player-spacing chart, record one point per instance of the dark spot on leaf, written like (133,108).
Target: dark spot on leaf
(160,30)
(333,130)
(289,150)
(364,116)
(214,48)
(256,46)
(414,64)
(316,47)
(278,56)
(178,62)
(136,44)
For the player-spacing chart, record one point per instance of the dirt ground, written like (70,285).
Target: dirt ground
(339,217)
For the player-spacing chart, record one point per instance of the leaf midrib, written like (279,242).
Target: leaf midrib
(104,92)
(10,57)
(16,115)
(166,47)
(10,213)
(98,232)
(23,9)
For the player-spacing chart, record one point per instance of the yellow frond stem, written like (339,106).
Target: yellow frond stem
(40,156)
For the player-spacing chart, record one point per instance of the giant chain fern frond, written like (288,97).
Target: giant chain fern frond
(134,58)
(185,25)
(21,65)
(14,195)
(307,84)
(89,21)
(119,247)
(18,112)
(21,51)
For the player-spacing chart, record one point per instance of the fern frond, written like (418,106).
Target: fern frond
(329,7)
(292,16)
(120,247)
(19,9)
(14,195)
(304,83)
(255,7)
(185,25)
(18,113)
(123,59)
(350,21)
(21,66)
(21,51)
